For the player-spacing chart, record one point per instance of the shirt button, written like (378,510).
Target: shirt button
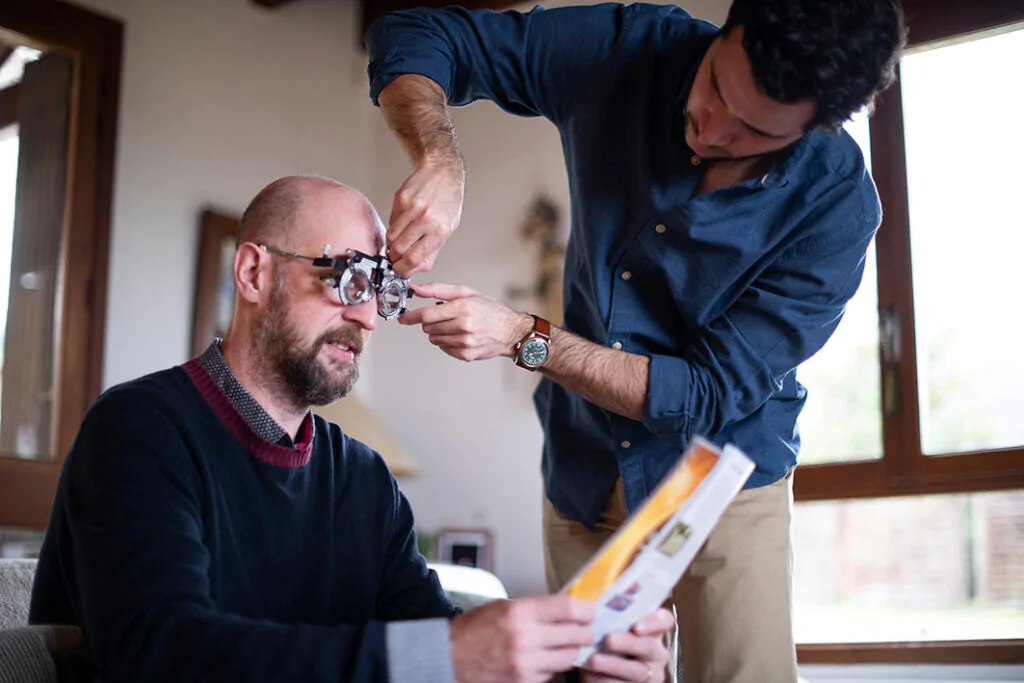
(625,444)
(617,346)
(695,160)
(659,229)
(626,275)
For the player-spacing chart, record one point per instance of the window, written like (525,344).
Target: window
(909,522)
(916,568)
(968,293)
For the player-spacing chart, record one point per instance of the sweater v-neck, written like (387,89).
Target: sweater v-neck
(261,449)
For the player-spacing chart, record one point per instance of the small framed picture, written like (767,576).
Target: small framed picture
(215,279)
(466,547)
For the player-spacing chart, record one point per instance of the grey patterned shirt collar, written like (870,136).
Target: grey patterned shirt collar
(265,426)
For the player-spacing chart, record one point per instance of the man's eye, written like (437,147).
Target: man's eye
(330,280)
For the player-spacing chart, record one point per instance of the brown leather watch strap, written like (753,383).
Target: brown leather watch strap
(542,328)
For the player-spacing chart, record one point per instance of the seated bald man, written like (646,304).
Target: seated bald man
(209,527)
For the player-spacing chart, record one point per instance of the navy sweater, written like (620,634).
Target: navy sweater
(190,549)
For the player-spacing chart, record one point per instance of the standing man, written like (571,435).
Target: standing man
(720,223)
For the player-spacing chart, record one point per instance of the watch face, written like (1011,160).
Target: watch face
(534,352)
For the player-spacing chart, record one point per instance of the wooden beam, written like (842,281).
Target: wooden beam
(374,8)
(941,652)
(273,4)
(930,20)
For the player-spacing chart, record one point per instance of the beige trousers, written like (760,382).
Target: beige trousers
(733,603)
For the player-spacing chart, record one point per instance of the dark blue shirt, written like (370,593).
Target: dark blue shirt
(726,292)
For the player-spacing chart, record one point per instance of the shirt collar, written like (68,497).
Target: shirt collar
(247,406)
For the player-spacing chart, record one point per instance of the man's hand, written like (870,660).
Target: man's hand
(425,213)
(428,205)
(526,641)
(637,656)
(466,324)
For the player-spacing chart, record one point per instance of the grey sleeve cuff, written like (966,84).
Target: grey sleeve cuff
(419,651)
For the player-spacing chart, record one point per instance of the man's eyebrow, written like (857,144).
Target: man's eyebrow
(718,91)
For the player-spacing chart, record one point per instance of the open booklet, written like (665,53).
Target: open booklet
(636,569)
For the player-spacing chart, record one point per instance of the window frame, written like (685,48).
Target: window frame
(903,470)
(94,42)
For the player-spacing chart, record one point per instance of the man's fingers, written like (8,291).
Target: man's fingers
(448,342)
(611,667)
(418,258)
(401,251)
(555,609)
(590,677)
(573,636)
(442,291)
(427,314)
(657,622)
(403,214)
(452,327)
(641,647)
(555,660)
(562,635)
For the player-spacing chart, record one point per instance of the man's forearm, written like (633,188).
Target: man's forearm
(416,110)
(613,380)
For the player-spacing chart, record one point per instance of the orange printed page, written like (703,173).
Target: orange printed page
(652,515)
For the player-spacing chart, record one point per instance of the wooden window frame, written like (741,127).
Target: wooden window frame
(94,42)
(904,470)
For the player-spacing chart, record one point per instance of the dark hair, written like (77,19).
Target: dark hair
(840,53)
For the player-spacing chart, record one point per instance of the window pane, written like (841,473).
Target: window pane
(33,157)
(964,145)
(945,567)
(842,379)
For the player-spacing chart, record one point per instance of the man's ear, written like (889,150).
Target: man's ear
(252,272)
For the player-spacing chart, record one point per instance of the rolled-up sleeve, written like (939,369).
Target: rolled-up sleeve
(529,64)
(740,359)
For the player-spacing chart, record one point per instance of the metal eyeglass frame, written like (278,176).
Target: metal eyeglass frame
(392,291)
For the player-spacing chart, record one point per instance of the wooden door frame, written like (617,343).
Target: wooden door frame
(95,43)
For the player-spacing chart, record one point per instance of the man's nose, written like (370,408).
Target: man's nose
(718,129)
(364,314)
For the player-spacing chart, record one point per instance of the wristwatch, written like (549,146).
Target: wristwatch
(535,347)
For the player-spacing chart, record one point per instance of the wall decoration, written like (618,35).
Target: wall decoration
(215,282)
(466,547)
(540,228)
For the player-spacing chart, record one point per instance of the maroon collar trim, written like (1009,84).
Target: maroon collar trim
(260,448)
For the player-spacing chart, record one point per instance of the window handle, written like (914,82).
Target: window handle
(890,341)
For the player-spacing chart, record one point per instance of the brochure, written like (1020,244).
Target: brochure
(635,570)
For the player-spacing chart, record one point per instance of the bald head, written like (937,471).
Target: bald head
(278,214)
